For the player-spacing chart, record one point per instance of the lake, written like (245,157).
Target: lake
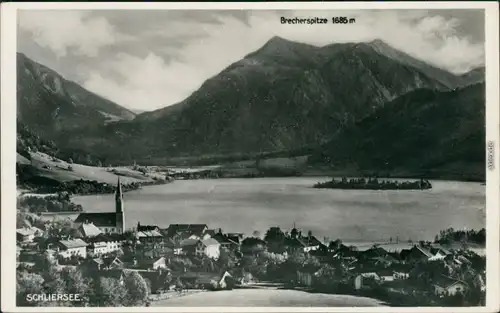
(248,205)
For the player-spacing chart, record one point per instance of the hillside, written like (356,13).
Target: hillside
(474,76)
(425,132)
(50,105)
(37,166)
(283,96)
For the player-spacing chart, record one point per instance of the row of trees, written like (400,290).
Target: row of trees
(451,235)
(58,203)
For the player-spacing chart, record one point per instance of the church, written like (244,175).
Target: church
(107,222)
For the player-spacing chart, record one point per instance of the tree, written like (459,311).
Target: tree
(227,259)
(137,289)
(335,245)
(179,285)
(28,283)
(107,292)
(76,284)
(274,234)
(252,245)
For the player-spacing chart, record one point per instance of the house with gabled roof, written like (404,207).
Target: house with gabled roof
(211,248)
(374,252)
(436,248)
(188,231)
(107,222)
(418,253)
(89,230)
(346,252)
(204,280)
(72,247)
(448,286)
(155,263)
(148,236)
(310,243)
(225,241)
(366,279)
(147,227)
(25,235)
(105,243)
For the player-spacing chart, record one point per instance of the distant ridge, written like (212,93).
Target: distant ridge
(282,97)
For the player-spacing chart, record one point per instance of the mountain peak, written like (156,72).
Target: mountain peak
(279,39)
(377,42)
(380,45)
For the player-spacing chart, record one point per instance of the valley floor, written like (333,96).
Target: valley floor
(267,298)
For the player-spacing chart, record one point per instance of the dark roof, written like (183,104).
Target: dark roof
(110,260)
(194,229)
(395,255)
(211,232)
(99,219)
(203,277)
(294,242)
(422,250)
(224,239)
(114,273)
(385,272)
(445,281)
(310,241)
(435,248)
(375,252)
(234,238)
(107,238)
(404,253)
(147,227)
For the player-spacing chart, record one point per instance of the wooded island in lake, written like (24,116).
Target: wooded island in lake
(374,184)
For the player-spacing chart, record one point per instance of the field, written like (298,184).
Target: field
(59,170)
(267,298)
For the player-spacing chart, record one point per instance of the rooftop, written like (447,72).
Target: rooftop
(210,242)
(99,219)
(25,231)
(195,229)
(90,230)
(73,243)
(148,233)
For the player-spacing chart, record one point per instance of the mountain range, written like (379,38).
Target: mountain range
(365,105)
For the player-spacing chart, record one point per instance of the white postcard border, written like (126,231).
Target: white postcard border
(8,143)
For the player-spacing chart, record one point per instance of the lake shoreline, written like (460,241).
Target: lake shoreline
(26,192)
(243,205)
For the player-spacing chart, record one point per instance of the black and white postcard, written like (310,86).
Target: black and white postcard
(277,157)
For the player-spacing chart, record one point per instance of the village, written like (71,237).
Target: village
(181,259)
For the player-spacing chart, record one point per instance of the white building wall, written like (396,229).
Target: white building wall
(213,251)
(81,251)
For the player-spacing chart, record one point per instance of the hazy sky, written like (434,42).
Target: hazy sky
(150,59)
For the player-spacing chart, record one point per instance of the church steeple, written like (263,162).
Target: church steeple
(120,216)
(118,193)
(294,232)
